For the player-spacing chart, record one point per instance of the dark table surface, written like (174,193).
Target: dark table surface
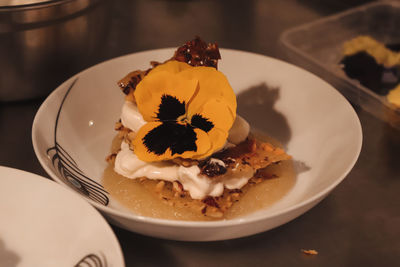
(358,224)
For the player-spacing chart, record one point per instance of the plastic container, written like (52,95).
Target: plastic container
(317,46)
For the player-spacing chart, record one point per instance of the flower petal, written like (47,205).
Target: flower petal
(217,112)
(213,84)
(172,66)
(203,143)
(217,138)
(140,149)
(155,85)
(202,99)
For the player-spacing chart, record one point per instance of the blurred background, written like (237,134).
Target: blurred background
(44,43)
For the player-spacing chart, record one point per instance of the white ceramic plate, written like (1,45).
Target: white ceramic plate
(43,224)
(73,130)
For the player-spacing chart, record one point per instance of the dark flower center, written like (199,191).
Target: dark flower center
(179,137)
(170,108)
(202,123)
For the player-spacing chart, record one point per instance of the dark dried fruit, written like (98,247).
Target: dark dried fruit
(212,168)
(210,201)
(233,191)
(198,53)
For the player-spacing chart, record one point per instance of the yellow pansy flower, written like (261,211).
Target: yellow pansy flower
(189,111)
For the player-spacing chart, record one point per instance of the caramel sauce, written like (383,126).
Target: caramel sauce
(141,196)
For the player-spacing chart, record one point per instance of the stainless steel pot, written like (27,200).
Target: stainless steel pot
(43,43)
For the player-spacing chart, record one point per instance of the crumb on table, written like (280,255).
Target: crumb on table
(309,251)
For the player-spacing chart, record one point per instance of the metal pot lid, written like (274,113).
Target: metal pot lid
(10,3)
(33,13)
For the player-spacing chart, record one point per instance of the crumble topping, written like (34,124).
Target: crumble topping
(242,158)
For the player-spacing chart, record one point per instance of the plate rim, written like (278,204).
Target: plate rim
(53,183)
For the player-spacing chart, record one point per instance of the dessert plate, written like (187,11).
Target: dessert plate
(43,224)
(73,130)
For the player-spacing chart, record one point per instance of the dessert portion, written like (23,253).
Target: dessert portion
(374,65)
(179,136)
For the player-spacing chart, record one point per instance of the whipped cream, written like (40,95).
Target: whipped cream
(131,117)
(199,186)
